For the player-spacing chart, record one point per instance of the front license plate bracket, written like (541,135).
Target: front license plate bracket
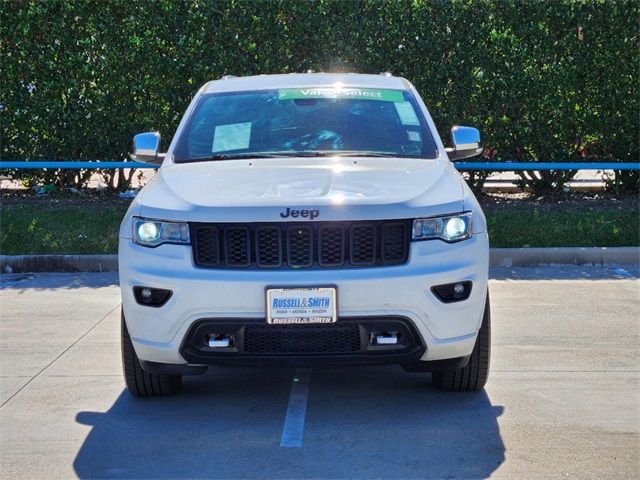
(301,305)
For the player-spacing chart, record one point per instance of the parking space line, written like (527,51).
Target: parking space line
(293,429)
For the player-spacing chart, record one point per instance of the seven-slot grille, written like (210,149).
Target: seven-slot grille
(289,245)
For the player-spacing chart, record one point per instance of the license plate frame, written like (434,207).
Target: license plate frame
(290,313)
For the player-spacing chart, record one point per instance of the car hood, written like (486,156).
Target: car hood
(339,188)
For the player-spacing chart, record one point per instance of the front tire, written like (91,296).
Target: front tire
(139,382)
(474,376)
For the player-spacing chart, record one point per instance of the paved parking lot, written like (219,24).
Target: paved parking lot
(563,398)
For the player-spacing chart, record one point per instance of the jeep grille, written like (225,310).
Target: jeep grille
(299,246)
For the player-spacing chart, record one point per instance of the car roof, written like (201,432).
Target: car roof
(301,80)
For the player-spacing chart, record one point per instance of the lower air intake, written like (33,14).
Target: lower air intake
(302,339)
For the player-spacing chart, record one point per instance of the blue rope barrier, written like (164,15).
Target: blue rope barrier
(71,165)
(463,166)
(520,166)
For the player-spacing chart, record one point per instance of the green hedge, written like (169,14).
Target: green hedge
(553,81)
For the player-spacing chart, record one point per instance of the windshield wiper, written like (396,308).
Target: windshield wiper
(364,153)
(242,156)
(289,153)
(334,153)
(228,156)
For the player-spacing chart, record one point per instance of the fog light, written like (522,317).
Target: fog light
(220,341)
(151,297)
(387,339)
(452,292)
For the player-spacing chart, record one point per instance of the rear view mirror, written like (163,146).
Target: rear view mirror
(146,148)
(466,143)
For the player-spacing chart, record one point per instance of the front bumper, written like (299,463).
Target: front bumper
(444,330)
(350,340)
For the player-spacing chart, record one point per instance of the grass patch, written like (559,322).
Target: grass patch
(77,229)
(32,229)
(587,228)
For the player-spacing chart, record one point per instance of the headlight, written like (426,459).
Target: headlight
(450,229)
(152,233)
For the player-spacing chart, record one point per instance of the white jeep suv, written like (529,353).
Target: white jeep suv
(305,219)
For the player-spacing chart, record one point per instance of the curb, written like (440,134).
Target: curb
(499,257)
(58,263)
(533,256)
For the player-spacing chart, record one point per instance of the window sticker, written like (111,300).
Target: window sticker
(413,136)
(234,136)
(406,113)
(358,93)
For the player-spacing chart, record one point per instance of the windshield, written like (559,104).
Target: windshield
(305,122)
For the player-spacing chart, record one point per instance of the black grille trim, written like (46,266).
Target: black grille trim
(393,247)
(331,245)
(268,247)
(284,245)
(299,246)
(302,339)
(237,246)
(206,246)
(363,244)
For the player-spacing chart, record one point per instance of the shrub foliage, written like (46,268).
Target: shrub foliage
(548,81)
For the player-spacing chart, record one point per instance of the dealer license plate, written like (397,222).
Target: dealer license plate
(301,305)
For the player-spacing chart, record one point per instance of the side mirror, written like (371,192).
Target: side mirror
(466,143)
(146,148)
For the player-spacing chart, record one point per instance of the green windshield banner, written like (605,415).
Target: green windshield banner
(359,93)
